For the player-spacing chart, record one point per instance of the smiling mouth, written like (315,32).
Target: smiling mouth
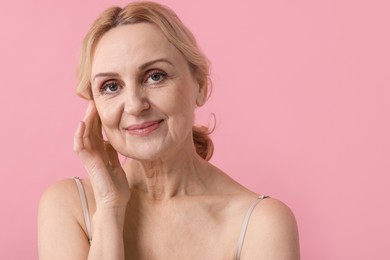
(144,129)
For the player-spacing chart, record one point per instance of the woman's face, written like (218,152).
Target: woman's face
(144,92)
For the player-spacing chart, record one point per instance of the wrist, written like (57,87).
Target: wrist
(116,216)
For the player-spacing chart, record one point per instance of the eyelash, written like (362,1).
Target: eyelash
(154,73)
(107,84)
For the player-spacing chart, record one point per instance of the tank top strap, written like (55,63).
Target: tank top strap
(244,226)
(84,205)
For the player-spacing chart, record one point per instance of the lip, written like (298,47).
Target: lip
(144,129)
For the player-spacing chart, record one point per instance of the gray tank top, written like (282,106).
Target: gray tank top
(241,238)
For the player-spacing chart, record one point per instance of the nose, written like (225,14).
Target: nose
(136,101)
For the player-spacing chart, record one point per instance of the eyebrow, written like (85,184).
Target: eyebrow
(147,64)
(143,66)
(105,74)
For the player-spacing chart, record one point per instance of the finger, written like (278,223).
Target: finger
(79,146)
(90,109)
(96,133)
(78,137)
(89,118)
(82,143)
(93,139)
(93,134)
(93,161)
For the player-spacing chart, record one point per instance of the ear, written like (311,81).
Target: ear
(202,94)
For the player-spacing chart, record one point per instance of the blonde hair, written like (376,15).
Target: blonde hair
(176,33)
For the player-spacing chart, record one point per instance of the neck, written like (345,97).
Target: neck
(180,175)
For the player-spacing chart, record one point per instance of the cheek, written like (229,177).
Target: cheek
(180,99)
(110,113)
(180,107)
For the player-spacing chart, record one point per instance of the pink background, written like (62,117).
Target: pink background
(301,96)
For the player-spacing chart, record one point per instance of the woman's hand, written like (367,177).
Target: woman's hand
(100,159)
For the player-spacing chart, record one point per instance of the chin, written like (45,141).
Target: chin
(145,151)
(158,146)
(148,157)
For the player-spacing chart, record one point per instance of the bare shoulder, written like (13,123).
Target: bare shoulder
(61,191)
(273,210)
(59,198)
(64,195)
(272,232)
(59,219)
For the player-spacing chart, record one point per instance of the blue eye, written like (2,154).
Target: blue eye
(155,77)
(109,87)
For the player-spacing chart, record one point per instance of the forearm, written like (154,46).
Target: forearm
(107,236)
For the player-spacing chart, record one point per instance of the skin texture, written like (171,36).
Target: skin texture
(166,202)
(139,99)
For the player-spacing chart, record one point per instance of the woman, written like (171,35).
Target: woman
(144,75)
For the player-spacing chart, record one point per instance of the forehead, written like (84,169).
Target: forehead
(132,45)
